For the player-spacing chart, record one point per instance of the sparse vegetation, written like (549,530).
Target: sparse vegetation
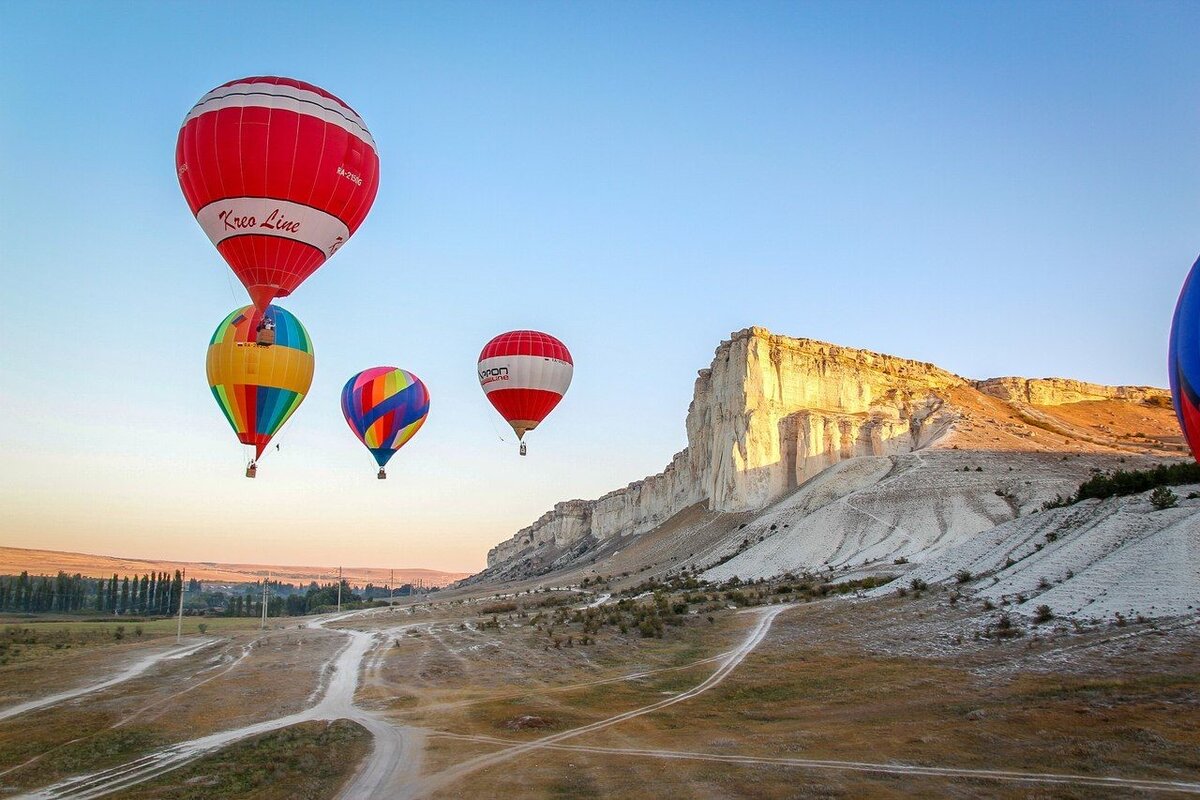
(1127,482)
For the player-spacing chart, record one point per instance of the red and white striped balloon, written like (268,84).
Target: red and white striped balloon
(525,374)
(279,173)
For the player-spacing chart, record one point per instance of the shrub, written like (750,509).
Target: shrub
(1058,502)
(1124,482)
(1162,497)
(1044,614)
(203,627)
(918,585)
(900,560)
(962,576)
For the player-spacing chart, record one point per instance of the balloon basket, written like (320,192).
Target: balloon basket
(522,448)
(382,475)
(251,470)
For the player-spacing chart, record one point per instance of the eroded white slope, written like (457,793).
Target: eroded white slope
(872,511)
(1094,559)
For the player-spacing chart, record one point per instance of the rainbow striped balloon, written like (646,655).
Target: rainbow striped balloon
(259,387)
(385,407)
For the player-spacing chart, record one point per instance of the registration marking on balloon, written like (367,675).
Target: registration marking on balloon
(264,216)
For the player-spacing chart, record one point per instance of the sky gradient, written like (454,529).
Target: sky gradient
(997,188)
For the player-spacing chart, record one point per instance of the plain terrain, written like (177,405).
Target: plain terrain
(751,692)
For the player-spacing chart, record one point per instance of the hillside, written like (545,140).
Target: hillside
(14,560)
(806,456)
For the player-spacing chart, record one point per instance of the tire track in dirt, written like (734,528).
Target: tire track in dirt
(1009,776)
(134,670)
(727,665)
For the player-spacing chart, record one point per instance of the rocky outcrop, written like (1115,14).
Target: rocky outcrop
(769,413)
(1062,391)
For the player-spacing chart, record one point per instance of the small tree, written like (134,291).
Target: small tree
(1162,497)
(1044,614)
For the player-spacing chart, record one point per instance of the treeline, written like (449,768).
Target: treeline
(1126,482)
(283,600)
(145,595)
(157,594)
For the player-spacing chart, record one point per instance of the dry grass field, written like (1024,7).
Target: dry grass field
(525,697)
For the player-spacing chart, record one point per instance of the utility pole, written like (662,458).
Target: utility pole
(182,589)
(339,590)
(264,600)
(392,590)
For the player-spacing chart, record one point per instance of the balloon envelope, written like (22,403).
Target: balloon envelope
(259,387)
(525,374)
(279,173)
(1183,359)
(385,407)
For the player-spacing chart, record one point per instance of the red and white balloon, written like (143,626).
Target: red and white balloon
(280,174)
(525,374)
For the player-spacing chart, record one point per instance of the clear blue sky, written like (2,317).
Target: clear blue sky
(998,188)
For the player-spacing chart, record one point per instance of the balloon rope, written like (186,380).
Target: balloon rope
(229,281)
(492,422)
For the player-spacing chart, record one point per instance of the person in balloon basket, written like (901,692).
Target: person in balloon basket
(265,332)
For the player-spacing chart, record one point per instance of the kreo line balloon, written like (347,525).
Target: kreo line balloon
(279,173)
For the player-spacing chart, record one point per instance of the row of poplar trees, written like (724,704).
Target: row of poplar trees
(149,594)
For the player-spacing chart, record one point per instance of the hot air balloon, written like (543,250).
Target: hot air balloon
(385,407)
(259,385)
(279,173)
(525,374)
(1183,359)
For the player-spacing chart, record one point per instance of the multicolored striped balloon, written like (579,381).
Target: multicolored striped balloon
(525,374)
(259,386)
(1183,360)
(279,173)
(385,407)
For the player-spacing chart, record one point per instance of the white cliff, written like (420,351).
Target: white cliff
(771,412)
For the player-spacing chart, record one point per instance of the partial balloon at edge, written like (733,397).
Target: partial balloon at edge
(1183,360)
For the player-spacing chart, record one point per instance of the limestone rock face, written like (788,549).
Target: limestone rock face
(771,412)
(1061,391)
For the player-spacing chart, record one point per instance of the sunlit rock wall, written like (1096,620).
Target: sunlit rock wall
(769,413)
